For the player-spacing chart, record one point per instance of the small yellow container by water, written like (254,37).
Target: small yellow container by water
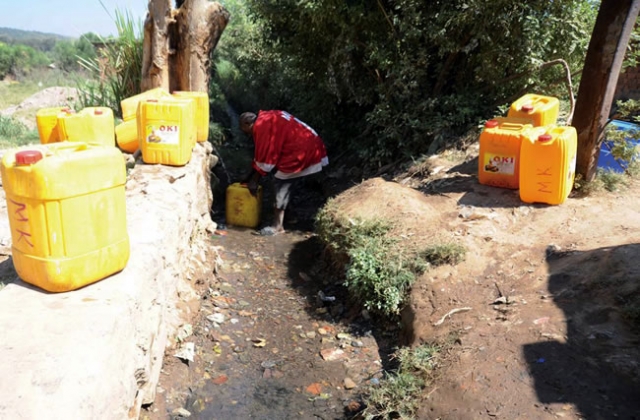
(499,158)
(66,208)
(166,130)
(47,122)
(541,110)
(202,112)
(127,136)
(129,105)
(242,208)
(548,166)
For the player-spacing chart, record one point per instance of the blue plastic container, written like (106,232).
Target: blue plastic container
(606,159)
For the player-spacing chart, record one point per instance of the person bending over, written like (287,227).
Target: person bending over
(287,145)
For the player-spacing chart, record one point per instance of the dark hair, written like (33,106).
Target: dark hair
(247,118)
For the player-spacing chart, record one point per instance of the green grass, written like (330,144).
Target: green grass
(441,254)
(377,270)
(14,92)
(398,394)
(13,133)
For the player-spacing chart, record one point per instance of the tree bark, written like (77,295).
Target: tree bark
(602,66)
(178,44)
(200,24)
(155,46)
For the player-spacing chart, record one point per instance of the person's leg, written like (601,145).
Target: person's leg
(283,189)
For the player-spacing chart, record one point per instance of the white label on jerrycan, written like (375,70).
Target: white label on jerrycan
(499,164)
(162,134)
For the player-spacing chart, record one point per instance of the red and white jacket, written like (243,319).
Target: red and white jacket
(287,144)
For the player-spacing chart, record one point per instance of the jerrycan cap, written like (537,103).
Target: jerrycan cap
(28,157)
(98,112)
(543,138)
(491,124)
(527,108)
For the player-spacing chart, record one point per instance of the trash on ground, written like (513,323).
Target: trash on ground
(187,352)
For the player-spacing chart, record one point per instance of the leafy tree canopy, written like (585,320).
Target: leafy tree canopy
(394,77)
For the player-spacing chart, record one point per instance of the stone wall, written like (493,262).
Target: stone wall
(96,353)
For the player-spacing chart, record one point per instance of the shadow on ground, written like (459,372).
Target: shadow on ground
(597,367)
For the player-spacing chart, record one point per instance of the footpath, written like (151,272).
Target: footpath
(96,353)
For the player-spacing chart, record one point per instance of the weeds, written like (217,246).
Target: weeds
(444,254)
(377,270)
(398,394)
(14,133)
(117,71)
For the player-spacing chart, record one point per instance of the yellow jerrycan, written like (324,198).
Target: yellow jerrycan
(66,209)
(548,166)
(129,106)
(202,111)
(242,208)
(166,131)
(127,136)
(541,110)
(94,125)
(499,157)
(47,122)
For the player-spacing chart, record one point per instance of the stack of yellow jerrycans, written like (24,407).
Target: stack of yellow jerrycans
(526,150)
(165,127)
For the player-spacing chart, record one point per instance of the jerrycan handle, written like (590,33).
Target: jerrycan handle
(66,147)
(511,126)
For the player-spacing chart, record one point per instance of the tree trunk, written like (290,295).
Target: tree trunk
(178,44)
(602,66)
(155,46)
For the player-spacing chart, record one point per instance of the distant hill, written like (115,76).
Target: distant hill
(18,35)
(37,40)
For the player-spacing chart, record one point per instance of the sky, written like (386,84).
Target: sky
(68,17)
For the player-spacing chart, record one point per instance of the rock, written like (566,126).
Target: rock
(349,383)
(332,354)
(181,413)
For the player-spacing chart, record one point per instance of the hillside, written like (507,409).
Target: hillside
(18,35)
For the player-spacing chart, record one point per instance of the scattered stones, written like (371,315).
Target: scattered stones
(357,343)
(322,331)
(310,334)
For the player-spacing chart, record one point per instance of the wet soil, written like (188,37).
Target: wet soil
(274,340)
(276,335)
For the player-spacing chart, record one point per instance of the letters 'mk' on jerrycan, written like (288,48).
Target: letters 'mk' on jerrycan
(66,209)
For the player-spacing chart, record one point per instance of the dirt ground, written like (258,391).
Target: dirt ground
(542,333)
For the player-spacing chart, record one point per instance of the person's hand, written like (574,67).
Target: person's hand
(253,186)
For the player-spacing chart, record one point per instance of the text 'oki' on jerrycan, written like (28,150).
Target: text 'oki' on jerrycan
(499,158)
(66,208)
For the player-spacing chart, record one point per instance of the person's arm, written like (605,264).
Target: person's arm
(252,182)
